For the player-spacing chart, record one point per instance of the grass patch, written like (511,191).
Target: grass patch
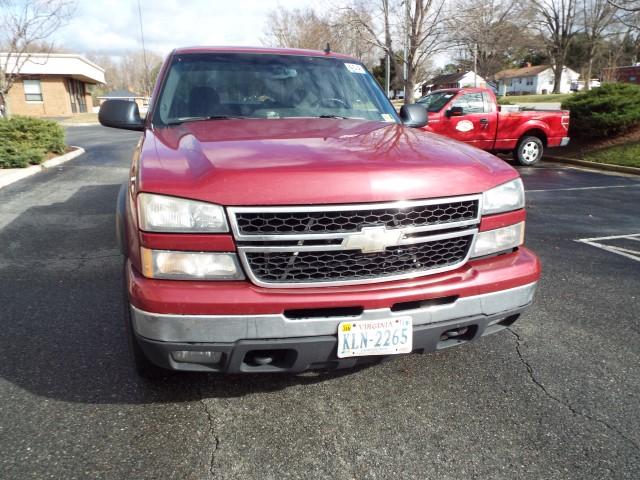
(28,141)
(550,98)
(627,155)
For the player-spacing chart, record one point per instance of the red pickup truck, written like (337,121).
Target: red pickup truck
(280,216)
(473,116)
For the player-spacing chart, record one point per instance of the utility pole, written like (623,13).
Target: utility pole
(405,71)
(144,55)
(387,75)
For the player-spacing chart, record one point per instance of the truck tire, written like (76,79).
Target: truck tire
(529,151)
(144,367)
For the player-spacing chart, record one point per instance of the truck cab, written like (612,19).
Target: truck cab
(473,116)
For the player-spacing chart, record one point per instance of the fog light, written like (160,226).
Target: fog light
(196,356)
(190,265)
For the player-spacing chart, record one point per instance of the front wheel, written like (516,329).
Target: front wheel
(529,151)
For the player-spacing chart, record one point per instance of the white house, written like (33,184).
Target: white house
(458,79)
(533,80)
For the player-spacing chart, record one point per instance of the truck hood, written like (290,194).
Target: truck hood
(311,161)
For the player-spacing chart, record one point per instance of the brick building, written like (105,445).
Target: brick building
(628,74)
(51,85)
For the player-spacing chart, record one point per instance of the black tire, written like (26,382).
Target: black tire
(529,151)
(144,367)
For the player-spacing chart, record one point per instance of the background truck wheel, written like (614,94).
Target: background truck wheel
(529,151)
(144,367)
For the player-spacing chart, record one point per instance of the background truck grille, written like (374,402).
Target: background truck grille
(343,221)
(325,245)
(349,265)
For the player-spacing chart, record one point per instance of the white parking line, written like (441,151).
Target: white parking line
(584,188)
(625,252)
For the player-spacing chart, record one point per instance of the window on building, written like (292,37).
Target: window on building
(32,90)
(529,80)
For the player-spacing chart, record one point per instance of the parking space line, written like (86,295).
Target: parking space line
(584,188)
(625,252)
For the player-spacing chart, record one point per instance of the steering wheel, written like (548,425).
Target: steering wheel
(331,102)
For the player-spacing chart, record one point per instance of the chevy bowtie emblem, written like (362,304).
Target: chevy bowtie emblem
(372,239)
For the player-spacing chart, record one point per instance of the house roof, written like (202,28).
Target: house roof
(447,78)
(521,72)
(66,64)
(122,93)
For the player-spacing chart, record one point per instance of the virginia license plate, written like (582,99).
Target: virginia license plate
(375,337)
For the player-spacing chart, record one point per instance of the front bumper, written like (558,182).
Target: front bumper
(296,345)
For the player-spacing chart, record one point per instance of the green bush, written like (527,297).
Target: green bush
(609,110)
(25,141)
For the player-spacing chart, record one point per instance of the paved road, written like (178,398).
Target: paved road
(555,398)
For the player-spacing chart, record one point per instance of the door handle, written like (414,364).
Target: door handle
(484,121)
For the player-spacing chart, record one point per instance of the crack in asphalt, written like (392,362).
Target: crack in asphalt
(214,437)
(563,403)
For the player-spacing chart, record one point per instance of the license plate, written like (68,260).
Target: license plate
(375,337)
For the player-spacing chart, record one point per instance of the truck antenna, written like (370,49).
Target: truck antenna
(327,49)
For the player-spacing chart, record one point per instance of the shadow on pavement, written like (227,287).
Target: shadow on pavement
(63,335)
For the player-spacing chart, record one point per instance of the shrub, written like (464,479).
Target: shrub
(25,141)
(605,111)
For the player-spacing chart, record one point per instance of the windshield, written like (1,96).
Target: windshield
(229,85)
(434,102)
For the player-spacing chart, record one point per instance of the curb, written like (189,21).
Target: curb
(12,175)
(83,124)
(595,165)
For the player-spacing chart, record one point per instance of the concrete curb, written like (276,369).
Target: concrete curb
(595,165)
(12,175)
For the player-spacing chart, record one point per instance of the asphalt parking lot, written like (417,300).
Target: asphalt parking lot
(555,397)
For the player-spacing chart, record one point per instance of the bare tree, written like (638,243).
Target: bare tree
(598,17)
(626,5)
(373,23)
(420,24)
(557,24)
(628,12)
(26,25)
(489,33)
(305,28)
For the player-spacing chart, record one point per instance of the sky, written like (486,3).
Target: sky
(111,26)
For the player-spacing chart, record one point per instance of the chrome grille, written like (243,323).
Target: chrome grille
(343,221)
(285,267)
(353,244)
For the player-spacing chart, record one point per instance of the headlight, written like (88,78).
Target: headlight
(190,265)
(503,198)
(159,213)
(498,240)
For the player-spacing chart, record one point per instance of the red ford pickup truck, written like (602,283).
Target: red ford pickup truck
(281,216)
(473,116)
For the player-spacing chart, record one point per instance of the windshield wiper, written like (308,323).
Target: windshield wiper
(335,116)
(180,120)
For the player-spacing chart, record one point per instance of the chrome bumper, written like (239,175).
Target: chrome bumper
(231,328)
(564,142)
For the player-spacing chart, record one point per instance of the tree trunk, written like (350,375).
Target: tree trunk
(4,105)
(557,75)
(409,85)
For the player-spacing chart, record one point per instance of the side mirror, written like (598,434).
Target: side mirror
(120,114)
(414,116)
(454,112)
